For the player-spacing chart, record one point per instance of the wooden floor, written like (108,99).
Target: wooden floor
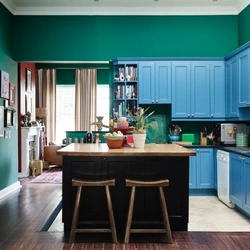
(22,214)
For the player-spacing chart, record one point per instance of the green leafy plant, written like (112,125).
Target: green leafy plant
(140,119)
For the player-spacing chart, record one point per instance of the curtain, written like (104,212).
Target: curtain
(46,98)
(85,98)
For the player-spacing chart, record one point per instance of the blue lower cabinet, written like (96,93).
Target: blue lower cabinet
(239,181)
(202,169)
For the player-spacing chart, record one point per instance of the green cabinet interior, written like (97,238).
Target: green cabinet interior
(82,134)
(239,182)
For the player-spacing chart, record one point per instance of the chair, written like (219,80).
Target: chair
(92,183)
(160,184)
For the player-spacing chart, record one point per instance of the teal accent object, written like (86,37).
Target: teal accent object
(157,129)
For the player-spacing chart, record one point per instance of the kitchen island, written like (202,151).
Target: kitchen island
(155,161)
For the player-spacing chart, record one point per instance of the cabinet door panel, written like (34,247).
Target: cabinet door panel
(146,82)
(205,169)
(181,89)
(192,172)
(200,94)
(236,180)
(246,205)
(217,83)
(163,82)
(244,86)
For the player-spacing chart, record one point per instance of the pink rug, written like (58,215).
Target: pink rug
(52,175)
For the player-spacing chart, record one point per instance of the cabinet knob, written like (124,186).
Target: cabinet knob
(188,115)
(212,115)
(156,101)
(153,101)
(192,115)
(236,114)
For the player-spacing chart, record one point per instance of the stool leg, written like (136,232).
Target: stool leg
(165,215)
(75,215)
(130,215)
(111,215)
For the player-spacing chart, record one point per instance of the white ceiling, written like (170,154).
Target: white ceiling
(125,7)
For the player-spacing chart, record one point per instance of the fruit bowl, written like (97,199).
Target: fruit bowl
(114,142)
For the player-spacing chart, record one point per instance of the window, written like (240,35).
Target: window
(103,103)
(65,108)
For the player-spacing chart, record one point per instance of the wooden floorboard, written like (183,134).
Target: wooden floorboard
(23,213)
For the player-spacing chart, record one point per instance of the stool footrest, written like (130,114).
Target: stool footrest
(148,231)
(93,222)
(93,230)
(147,222)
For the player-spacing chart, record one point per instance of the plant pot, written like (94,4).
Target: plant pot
(139,140)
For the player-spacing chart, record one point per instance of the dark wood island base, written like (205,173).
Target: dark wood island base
(155,161)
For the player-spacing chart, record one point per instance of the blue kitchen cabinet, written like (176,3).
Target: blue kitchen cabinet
(232,83)
(198,90)
(239,181)
(181,89)
(244,78)
(217,88)
(154,82)
(202,169)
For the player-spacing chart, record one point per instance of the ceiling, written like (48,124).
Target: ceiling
(125,7)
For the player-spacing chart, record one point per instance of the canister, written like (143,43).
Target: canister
(241,140)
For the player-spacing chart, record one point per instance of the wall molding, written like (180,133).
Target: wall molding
(10,189)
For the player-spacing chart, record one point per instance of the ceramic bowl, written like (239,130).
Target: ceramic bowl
(174,137)
(114,142)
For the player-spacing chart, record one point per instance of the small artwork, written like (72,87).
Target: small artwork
(157,129)
(28,80)
(4,87)
(9,118)
(1,121)
(28,104)
(12,95)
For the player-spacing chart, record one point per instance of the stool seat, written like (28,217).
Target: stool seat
(165,221)
(92,183)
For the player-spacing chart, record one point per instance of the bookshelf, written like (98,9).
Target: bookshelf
(124,88)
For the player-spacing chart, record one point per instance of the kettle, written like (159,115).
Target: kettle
(89,137)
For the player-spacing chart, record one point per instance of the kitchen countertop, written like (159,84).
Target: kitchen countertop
(101,149)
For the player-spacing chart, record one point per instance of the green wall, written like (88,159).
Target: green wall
(244,26)
(98,38)
(8,147)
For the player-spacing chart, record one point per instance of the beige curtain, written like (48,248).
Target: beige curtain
(85,99)
(46,98)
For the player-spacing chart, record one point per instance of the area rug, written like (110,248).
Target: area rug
(53,175)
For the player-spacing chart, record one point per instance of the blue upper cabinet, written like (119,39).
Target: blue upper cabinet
(217,89)
(198,90)
(181,89)
(154,82)
(232,86)
(244,79)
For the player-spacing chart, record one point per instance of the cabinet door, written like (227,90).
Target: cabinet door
(246,205)
(162,82)
(236,179)
(205,168)
(146,82)
(244,81)
(217,88)
(200,94)
(193,171)
(181,90)
(232,83)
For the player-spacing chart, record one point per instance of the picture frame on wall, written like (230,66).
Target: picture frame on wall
(1,121)
(28,104)
(9,118)
(4,84)
(28,80)
(12,95)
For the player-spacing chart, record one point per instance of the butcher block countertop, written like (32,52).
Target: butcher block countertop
(101,149)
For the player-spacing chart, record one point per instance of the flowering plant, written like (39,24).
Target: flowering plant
(140,120)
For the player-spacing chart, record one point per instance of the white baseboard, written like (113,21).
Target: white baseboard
(8,190)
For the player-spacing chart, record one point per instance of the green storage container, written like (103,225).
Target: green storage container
(188,137)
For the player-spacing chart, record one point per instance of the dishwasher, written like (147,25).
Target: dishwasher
(223,178)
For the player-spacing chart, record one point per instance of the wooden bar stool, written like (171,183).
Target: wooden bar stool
(92,183)
(160,184)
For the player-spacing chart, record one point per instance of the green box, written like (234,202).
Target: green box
(188,137)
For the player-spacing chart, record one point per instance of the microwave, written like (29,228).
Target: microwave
(225,133)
